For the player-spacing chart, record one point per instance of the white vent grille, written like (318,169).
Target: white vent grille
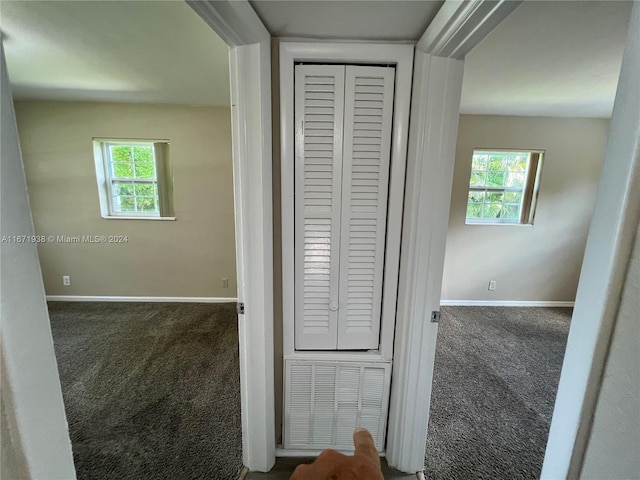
(326,401)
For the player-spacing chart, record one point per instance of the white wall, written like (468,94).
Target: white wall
(31,394)
(614,442)
(539,262)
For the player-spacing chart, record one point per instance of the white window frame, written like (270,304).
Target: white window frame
(105,179)
(529,190)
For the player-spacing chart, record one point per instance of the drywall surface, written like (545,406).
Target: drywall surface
(31,393)
(187,257)
(12,465)
(539,262)
(614,443)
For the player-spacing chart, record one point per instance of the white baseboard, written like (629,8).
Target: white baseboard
(505,303)
(85,298)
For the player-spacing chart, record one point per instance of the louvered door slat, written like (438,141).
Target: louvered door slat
(365,179)
(319,110)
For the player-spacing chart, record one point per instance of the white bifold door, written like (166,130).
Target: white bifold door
(343,118)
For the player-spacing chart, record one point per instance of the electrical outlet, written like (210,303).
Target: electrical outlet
(492,285)
(66,280)
(225,283)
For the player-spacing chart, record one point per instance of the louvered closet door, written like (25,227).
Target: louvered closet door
(319,104)
(365,181)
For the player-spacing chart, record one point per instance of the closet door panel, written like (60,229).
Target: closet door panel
(319,105)
(368,115)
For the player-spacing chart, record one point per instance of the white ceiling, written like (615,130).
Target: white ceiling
(556,58)
(550,58)
(346,19)
(155,52)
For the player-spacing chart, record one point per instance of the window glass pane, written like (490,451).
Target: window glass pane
(122,188)
(479,162)
(147,204)
(478,178)
(474,210)
(515,179)
(124,204)
(122,170)
(495,178)
(495,197)
(145,170)
(491,210)
(477,197)
(510,212)
(143,153)
(120,153)
(145,189)
(512,197)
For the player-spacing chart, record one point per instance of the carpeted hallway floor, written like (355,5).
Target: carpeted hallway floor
(495,381)
(151,391)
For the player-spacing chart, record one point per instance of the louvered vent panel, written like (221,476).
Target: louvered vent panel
(323,404)
(368,112)
(299,389)
(319,104)
(348,399)
(331,400)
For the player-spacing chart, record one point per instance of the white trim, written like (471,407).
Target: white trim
(460,26)
(117,217)
(505,303)
(234,21)
(607,256)
(252,170)
(432,140)
(337,356)
(114,298)
(402,57)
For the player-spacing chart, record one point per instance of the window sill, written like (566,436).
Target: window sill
(138,218)
(487,224)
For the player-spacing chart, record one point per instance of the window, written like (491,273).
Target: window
(134,178)
(503,186)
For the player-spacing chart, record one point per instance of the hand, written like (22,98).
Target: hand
(332,465)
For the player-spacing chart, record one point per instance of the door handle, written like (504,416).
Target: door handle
(333,306)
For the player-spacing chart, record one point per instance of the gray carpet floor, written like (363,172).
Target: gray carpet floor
(151,391)
(495,381)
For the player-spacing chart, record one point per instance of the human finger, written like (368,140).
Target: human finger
(321,468)
(365,447)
